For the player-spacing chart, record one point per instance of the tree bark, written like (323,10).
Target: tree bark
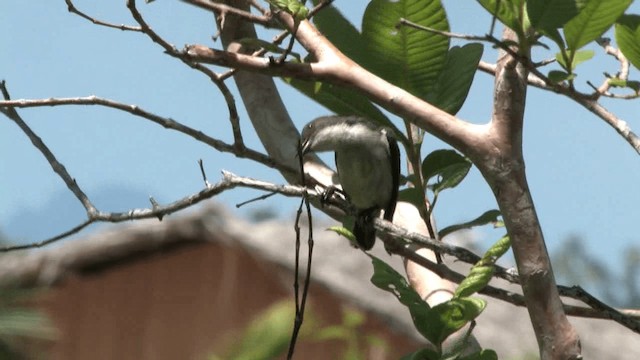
(501,162)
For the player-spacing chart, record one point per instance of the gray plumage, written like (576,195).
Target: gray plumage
(368,166)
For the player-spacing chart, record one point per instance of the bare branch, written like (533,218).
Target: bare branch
(57,167)
(167,123)
(623,74)
(618,55)
(586,101)
(229,181)
(579,293)
(172,51)
(223,10)
(72,9)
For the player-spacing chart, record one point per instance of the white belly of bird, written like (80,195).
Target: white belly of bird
(368,184)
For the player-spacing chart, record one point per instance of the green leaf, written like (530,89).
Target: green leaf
(448,166)
(486,354)
(404,56)
(340,100)
(548,15)
(268,334)
(343,231)
(554,34)
(558,76)
(413,196)
(454,81)
(628,37)
(633,85)
(341,32)
(482,272)
(581,56)
(497,250)
(592,21)
(478,278)
(489,217)
(452,315)
(436,323)
(387,279)
(508,12)
(426,321)
(293,7)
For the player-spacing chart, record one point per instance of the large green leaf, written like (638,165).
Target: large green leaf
(340,100)
(592,21)
(447,166)
(628,37)
(455,79)
(404,56)
(426,321)
(336,98)
(509,12)
(413,196)
(341,33)
(548,15)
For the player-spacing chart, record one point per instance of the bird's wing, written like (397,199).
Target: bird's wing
(394,157)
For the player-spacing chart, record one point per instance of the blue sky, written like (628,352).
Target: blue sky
(584,178)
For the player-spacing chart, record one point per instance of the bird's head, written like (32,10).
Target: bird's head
(328,133)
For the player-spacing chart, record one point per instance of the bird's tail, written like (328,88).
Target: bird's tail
(364,231)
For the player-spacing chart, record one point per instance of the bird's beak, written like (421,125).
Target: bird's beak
(304,147)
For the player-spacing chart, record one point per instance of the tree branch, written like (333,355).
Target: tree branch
(229,181)
(72,9)
(223,10)
(167,123)
(57,167)
(501,162)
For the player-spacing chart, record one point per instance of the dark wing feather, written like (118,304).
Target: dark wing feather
(394,155)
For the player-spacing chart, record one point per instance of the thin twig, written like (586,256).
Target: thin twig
(165,122)
(172,51)
(222,9)
(207,184)
(298,317)
(301,303)
(258,198)
(72,9)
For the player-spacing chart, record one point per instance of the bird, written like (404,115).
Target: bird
(368,166)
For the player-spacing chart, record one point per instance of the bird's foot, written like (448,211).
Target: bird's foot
(328,192)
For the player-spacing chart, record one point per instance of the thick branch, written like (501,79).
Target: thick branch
(266,109)
(333,66)
(502,164)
